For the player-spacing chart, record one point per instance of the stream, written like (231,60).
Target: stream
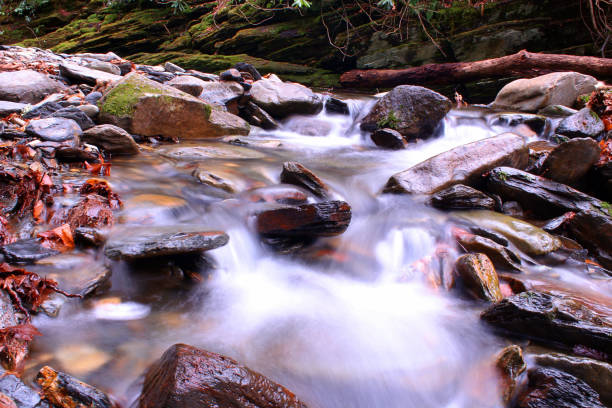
(351,321)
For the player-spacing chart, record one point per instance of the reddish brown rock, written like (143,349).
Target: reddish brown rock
(510,365)
(187,377)
(478,275)
(296,174)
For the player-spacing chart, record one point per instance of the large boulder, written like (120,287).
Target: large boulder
(413,111)
(530,95)
(552,318)
(461,165)
(187,377)
(281,99)
(584,123)
(27,86)
(145,107)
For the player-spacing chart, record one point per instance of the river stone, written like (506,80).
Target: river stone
(64,390)
(281,99)
(54,129)
(593,229)
(308,220)
(388,138)
(231,74)
(103,66)
(81,74)
(213,180)
(557,110)
(6,108)
(144,107)
(248,68)
(42,110)
(413,111)
(149,242)
(596,374)
(461,165)
(111,139)
(584,123)
(298,175)
(27,86)
(220,93)
(74,273)
(550,388)
(173,68)
(22,395)
(257,116)
(530,95)
(75,114)
(510,365)
(462,197)
(334,105)
(90,110)
(557,319)
(189,84)
(25,251)
(478,275)
(526,237)
(570,161)
(198,153)
(93,97)
(187,377)
(502,257)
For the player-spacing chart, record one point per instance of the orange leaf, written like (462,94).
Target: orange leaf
(59,238)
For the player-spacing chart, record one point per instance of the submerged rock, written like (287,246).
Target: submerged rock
(145,107)
(570,161)
(308,220)
(461,165)
(530,95)
(54,129)
(550,388)
(296,174)
(542,316)
(413,111)
(478,275)
(66,391)
(462,197)
(111,139)
(26,251)
(187,377)
(211,179)
(281,99)
(584,123)
(149,242)
(27,86)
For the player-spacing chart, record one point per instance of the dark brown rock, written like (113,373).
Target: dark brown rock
(65,391)
(187,377)
(584,123)
(570,161)
(389,139)
(231,74)
(593,229)
(462,197)
(478,275)
(307,220)
(298,175)
(257,116)
(501,256)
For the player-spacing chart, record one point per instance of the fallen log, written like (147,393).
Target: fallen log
(523,64)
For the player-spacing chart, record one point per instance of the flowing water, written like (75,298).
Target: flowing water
(353,321)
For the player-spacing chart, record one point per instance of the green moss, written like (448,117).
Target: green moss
(120,101)
(390,121)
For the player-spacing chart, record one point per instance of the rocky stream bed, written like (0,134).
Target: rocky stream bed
(175,238)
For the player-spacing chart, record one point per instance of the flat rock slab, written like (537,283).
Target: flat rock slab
(462,197)
(76,274)
(6,107)
(72,112)
(556,319)
(54,129)
(187,377)
(27,86)
(86,75)
(308,220)
(461,165)
(26,251)
(196,153)
(144,242)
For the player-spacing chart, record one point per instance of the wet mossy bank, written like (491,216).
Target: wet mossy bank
(295,44)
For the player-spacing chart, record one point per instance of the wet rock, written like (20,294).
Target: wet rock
(80,74)
(557,110)
(210,179)
(220,93)
(72,154)
(139,243)
(333,105)
(281,99)
(502,257)
(75,114)
(6,108)
(550,388)
(510,364)
(308,220)
(513,209)
(173,68)
(413,111)
(147,108)
(281,194)
(27,86)
(111,139)
(461,165)
(542,316)
(570,161)
(25,251)
(66,391)
(90,110)
(90,236)
(198,153)
(187,377)
(388,138)
(536,123)
(75,273)
(248,68)
(298,175)
(92,211)
(54,129)
(43,110)
(530,95)
(231,74)
(462,197)
(19,393)
(596,374)
(585,123)
(257,116)
(478,275)
(526,237)
(188,84)
(593,229)
(544,197)
(308,126)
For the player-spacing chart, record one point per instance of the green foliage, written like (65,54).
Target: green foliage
(25,8)
(301,3)
(390,121)
(177,6)
(607,207)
